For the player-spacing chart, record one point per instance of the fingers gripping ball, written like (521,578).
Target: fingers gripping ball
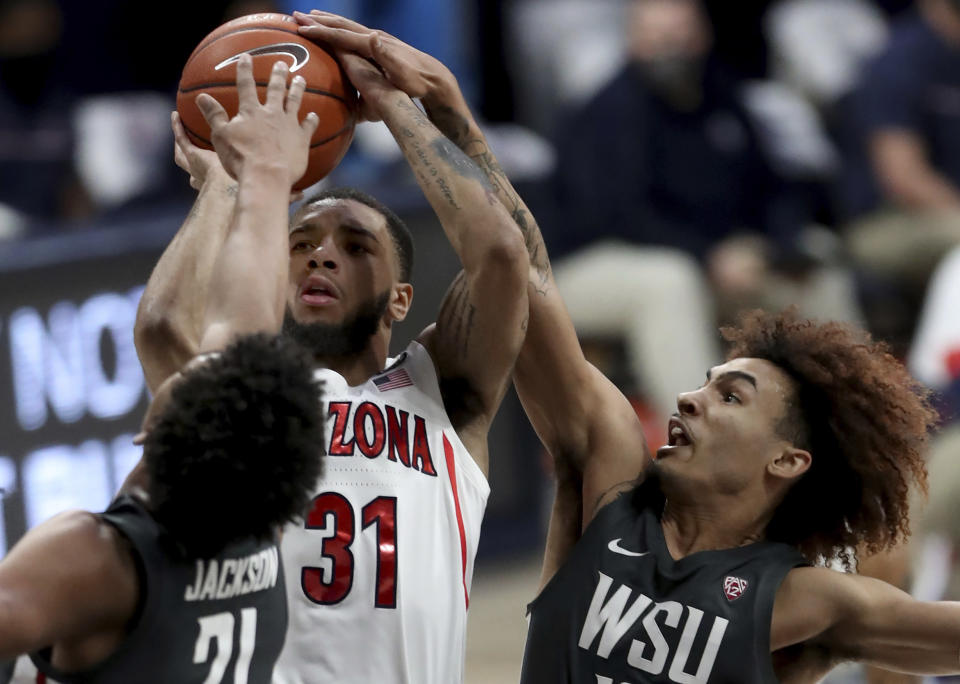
(212,69)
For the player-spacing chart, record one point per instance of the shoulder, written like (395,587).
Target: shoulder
(75,530)
(97,549)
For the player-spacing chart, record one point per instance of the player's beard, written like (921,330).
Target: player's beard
(339,340)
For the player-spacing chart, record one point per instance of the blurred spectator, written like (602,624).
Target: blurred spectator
(37,179)
(901,190)
(663,173)
(819,46)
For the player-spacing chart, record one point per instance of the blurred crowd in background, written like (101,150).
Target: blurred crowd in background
(685,159)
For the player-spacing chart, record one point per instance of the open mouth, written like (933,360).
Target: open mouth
(677,434)
(318,292)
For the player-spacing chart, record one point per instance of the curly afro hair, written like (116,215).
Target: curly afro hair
(237,451)
(864,420)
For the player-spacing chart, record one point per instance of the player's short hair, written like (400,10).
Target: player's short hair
(865,422)
(237,451)
(399,232)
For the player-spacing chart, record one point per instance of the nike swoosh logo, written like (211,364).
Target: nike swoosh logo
(299,53)
(614,546)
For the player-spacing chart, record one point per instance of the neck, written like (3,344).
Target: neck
(359,367)
(355,369)
(731,523)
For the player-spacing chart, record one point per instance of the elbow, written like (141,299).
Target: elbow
(156,332)
(507,254)
(151,326)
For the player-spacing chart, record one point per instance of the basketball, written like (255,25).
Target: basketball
(212,69)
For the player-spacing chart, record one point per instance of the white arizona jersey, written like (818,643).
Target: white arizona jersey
(378,575)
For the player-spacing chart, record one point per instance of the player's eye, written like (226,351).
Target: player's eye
(731,398)
(300,246)
(356,248)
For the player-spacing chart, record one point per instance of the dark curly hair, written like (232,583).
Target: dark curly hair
(399,232)
(237,451)
(865,422)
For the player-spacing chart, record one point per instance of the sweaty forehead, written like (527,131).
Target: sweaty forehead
(331,213)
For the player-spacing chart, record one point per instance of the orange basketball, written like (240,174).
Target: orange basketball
(212,69)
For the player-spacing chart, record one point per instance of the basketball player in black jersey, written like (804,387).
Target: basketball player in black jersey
(705,564)
(180,579)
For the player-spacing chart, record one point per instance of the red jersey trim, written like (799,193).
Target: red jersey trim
(452,474)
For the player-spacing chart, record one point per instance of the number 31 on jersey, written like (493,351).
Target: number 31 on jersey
(328,588)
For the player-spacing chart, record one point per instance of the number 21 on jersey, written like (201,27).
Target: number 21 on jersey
(332,587)
(218,629)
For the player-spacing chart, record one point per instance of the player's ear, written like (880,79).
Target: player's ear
(401,297)
(790,463)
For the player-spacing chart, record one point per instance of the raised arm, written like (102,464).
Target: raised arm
(580,416)
(858,618)
(479,329)
(265,148)
(169,321)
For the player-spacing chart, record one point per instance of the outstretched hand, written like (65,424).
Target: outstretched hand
(414,72)
(267,134)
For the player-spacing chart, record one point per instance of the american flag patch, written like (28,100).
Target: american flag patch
(393,380)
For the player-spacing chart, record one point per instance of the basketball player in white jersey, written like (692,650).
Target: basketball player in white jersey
(379,574)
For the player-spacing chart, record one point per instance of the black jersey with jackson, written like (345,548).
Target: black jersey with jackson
(221,619)
(621,609)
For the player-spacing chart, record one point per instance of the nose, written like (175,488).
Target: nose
(322,256)
(688,403)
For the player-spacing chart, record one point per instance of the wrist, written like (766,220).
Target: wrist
(258,182)
(217,177)
(444,92)
(268,173)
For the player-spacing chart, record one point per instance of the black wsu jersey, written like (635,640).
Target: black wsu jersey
(621,609)
(216,620)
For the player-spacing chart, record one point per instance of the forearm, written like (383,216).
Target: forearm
(249,277)
(902,164)
(169,320)
(457,189)
(449,112)
(923,638)
(922,188)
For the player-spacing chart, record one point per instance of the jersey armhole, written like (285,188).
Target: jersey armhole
(608,511)
(763,615)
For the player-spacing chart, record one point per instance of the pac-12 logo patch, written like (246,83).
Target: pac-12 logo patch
(733,587)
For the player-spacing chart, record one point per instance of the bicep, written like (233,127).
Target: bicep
(478,333)
(866,620)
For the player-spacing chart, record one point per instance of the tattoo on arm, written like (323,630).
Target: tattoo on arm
(456,316)
(621,486)
(440,149)
(452,124)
